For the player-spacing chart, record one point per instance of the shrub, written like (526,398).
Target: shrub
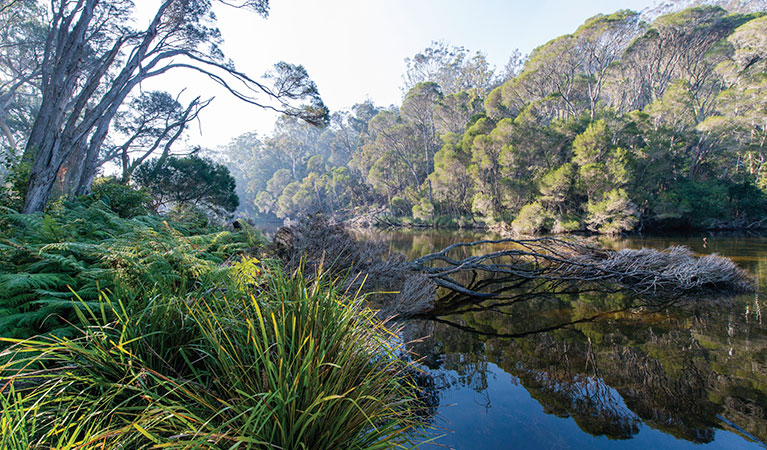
(192,180)
(482,205)
(423,210)
(566,224)
(13,179)
(121,198)
(193,217)
(533,218)
(446,222)
(400,206)
(614,214)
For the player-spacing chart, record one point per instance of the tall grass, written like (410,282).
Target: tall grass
(291,364)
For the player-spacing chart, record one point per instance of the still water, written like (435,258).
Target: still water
(593,370)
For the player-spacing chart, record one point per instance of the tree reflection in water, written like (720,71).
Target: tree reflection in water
(609,361)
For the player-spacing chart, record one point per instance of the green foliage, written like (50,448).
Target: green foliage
(194,218)
(614,214)
(121,198)
(557,185)
(85,247)
(14,180)
(533,218)
(591,145)
(705,203)
(289,364)
(567,224)
(193,180)
(400,207)
(423,210)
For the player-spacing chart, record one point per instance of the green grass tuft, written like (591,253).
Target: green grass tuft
(293,364)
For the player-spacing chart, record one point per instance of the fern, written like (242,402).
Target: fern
(22,282)
(86,248)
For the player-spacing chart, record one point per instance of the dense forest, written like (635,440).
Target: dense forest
(140,307)
(635,121)
(632,122)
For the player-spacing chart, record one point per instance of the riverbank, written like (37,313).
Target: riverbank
(597,370)
(145,331)
(504,228)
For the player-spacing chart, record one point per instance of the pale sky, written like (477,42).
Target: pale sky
(355,49)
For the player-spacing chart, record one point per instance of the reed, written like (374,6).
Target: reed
(290,364)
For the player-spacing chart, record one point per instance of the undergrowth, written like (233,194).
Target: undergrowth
(203,347)
(292,364)
(87,248)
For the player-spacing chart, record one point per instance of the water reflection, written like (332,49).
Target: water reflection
(624,373)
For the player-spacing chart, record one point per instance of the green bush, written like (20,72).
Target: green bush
(292,364)
(445,222)
(614,214)
(701,203)
(192,180)
(121,198)
(566,224)
(533,218)
(482,205)
(194,217)
(746,199)
(400,207)
(423,210)
(14,181)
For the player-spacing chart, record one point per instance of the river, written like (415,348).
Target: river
(594,370)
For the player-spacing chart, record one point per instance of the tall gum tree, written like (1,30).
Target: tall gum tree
(21,36)
(93,59)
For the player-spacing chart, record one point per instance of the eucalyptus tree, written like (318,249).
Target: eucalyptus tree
(453,68)
(732,6)
(347,132)
(395,148)
(21,40)
(600,42)
(251,163)
(153,121)
(454,112)
(682,45)
(738,122)
(295,141)
(93,59)
(418,109)
(451,179)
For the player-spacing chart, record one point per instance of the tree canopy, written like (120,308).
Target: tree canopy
(189,180)
(633,121)
(82,59)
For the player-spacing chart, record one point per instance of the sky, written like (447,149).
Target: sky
(354,50)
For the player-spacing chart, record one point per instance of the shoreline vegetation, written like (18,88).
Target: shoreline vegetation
(633,122)
(144,331)
(384,221)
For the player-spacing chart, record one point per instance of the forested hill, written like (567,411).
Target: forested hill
(624,124)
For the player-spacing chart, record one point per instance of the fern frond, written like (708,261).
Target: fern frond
(14,282)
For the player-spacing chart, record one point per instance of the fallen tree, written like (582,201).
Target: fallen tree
(646,271)
(467,272)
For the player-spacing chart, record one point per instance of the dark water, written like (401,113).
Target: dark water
(594,370)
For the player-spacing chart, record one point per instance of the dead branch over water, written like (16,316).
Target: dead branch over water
(469,272)
(675,270)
